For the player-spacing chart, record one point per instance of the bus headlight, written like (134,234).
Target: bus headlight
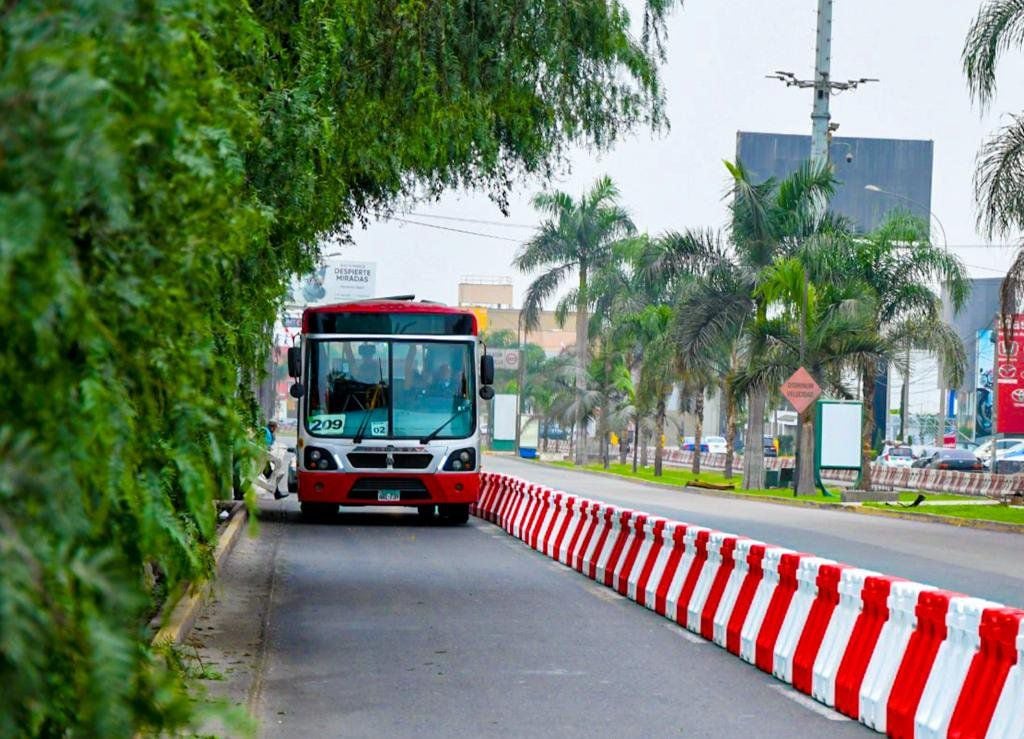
(461,460)
(316,458)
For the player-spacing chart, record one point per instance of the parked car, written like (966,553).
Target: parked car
(1005,448)
(554,433)
(896,456)
(954,459)
(716,444)
(688,444)
(769,447)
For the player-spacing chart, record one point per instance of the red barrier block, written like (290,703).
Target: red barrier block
(661,594)
(657,532)
(569,503)
(604,528)
(700,556)
(625,529)
(776,613)
(817,623)
(996,656)
(932,607)
(862,644)
(745,598)
(621,580)
(573,548)
(707,616)
(586,532)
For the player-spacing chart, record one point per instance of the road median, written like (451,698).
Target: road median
(677,480)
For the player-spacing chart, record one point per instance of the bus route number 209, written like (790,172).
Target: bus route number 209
(327,424)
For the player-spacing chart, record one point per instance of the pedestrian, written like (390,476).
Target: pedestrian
(275,468)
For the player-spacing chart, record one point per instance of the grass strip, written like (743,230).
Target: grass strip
(681,477)
(999,513)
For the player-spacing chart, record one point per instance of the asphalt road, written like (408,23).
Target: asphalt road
(985,564)
(375,625)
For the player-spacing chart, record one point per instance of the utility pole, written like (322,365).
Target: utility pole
(821,136)
(820,115)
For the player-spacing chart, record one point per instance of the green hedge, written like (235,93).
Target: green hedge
(164,165)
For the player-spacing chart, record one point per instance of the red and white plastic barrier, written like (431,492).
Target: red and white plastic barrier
(905,659)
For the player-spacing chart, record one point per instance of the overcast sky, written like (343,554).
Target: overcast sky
(718,55)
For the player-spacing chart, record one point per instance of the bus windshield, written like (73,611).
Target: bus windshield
(369,389)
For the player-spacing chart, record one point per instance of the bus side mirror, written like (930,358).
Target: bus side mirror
(294,361)
(486,370)
(297,390)
(486,392)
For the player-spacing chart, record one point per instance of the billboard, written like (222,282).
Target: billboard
(1009,384)
(334,282)
(984,361)
(900,171)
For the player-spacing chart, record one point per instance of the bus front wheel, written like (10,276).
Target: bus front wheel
(455,514)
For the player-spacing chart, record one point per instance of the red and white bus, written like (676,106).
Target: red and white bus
(388,411)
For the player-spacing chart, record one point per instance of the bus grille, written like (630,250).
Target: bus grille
(379,461)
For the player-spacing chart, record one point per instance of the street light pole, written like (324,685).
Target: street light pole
(931,213)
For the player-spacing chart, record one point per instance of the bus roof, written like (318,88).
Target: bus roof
(385,305)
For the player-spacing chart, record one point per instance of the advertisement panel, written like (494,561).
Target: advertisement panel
(1009,384)
(983,364)
(334,282)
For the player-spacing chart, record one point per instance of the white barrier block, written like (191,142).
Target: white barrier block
(707,576)
(599,537)
(952,662)
(759,606)
(658,573)
(837,635)
(1008,718)
(609,544)
(732,588)
(575,519)
(796,617)
(889,651)
(685,564)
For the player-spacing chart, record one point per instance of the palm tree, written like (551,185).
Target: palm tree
(769,220)
(577,236)
(831,321)
(999,178)
(898,264)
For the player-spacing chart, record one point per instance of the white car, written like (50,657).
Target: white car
(716,444)
(1004,446)
(896,456)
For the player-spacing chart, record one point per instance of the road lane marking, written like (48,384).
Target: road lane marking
(809,703)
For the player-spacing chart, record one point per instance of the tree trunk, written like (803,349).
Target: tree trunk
(623,445)
(730,427)
(805,483)
(869,376)
(582,350)
(643,450)
(636,441)
(753,448)
(698,429)
(546,422)
(659,441)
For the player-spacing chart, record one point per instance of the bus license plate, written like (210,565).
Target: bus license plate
(388,496)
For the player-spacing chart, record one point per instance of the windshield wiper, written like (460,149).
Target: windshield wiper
(430,437)
(381,385)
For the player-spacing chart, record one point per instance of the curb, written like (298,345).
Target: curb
(963,523)
(183,613)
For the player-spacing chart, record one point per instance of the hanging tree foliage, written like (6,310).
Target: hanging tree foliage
(163,166)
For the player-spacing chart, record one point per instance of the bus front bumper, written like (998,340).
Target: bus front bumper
(360,488)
